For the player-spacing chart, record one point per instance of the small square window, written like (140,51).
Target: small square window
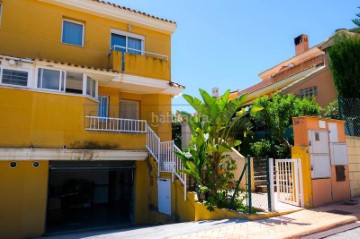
(73,33)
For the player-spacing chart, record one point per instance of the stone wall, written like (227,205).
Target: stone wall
(353,146)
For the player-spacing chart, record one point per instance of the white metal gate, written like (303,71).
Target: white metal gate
(289,181)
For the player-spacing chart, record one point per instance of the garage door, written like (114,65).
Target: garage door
(89,194)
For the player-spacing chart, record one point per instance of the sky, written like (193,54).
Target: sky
(227,43)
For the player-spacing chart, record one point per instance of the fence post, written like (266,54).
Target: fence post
(268,182)
(249,183)
(340,106)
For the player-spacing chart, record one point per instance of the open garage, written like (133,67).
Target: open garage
(89,194)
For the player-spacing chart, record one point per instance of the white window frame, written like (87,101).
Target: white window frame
(127,35)
(85,78)
(14,69)
(308,92)
(63,73)
(51,69)
(76,22)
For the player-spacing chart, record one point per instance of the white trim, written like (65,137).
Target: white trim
(28,71)
(149,82)
(127,34)
(12,154)
(111,12)
(83,32)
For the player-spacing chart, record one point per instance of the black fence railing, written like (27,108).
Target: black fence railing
(349,110)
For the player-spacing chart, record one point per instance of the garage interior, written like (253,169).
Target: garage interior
(89,194)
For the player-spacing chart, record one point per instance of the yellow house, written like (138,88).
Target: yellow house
(85,126)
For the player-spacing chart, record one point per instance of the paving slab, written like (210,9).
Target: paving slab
(295,225)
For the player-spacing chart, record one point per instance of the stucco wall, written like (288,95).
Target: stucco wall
(323,80)
(353,146)
(23,199)
(32,29)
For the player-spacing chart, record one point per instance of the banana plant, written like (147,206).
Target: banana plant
(212,128)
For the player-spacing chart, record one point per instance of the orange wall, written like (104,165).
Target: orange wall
(340,190)
(301,125)
(326,91)
(321,189)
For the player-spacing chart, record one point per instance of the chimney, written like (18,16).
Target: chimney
(301,44)
(215,92)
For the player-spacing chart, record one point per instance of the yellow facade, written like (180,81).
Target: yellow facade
(41,37)
(30,39)
(23,199)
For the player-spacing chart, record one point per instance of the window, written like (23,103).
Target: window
(51,79)
(67,82)
(126,42)
(308,92)
(14,77)
(73,33)
(74,82)
(129,109)
(103,108)
(91,87)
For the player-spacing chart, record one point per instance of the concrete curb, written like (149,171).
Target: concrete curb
(324,228)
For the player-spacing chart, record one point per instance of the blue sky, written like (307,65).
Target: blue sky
(228,43)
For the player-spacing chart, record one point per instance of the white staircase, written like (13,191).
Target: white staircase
(164,154)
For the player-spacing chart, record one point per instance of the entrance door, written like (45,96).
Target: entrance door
(164,196)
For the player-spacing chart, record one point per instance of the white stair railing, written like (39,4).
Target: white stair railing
(153,143)
(164,154)
(178,167)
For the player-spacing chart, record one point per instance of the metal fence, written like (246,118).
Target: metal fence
(349,110)
(255,185)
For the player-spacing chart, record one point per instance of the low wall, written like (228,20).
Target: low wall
(353,147)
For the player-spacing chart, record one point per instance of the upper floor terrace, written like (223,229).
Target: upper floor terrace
(47,104)
(88,33)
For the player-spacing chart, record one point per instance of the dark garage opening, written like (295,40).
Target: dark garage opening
(85,195)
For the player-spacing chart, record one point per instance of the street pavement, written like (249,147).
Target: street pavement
(295,225)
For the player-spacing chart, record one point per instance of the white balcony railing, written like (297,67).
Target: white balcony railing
(119,125)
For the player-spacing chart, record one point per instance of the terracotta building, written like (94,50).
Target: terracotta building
(306,74)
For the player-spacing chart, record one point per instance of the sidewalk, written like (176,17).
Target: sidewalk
(292,225)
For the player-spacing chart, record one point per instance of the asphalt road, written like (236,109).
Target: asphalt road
(349,231)
(350,234)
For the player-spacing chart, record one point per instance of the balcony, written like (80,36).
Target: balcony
(140,63)
(117,125)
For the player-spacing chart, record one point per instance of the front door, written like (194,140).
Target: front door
(164,196)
